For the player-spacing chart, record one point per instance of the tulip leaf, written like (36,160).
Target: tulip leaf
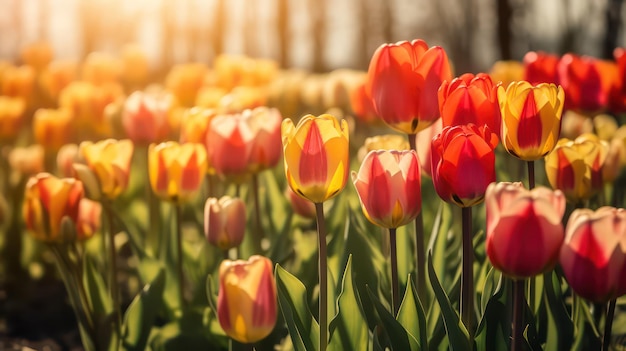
(348,330)
(411,315)
(494,328)
(457,333)
(492,284)
(139,316)
(99,300)
(292,298)
(398,337)
(560,329)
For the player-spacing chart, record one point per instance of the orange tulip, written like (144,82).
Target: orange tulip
(593,256)
(423,142)
(11,116)
(176,170)
(101,68)
(184,81)
(524,229)
(531,118)
(463,163)
(47,200)
(469,99)
(316,156)
(389,187)
(575,166)
(53,128)
(110,161)
(505,72)
(18,82)
(246,301)
(56,77)
(403,79)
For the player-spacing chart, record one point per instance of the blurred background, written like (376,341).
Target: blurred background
(319,35)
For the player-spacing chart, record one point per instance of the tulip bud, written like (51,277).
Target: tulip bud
(224,221)
(246,302)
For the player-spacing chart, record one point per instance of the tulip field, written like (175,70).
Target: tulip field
(240,205)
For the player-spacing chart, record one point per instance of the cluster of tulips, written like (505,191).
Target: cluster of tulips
(152,168)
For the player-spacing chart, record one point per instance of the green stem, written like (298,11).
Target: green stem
(608,325)
(518,314)
(323,279)
(179,255)
(258,231)
(420,258)
(531,174)
(531,185)
(395,299)
(235,345)
(153,237)
(467,276)
(115,297)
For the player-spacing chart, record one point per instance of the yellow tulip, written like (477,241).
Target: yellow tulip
(316,156)
(531,118)
(176,170)
(110,161)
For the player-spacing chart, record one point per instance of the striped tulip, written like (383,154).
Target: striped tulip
(47,200)
(224,221)
(593,256)
(110,161)
(389,187)
(316,156)
(524,229)
(531,118)
(246,301)
(144,117)
(575,166)
(176,170)
(403,79)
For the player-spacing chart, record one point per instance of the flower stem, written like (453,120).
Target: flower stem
(518,314)
(420,258)
(179,254)
(467,277)
(323,279)
(153,237)
(115,294)
(258,230)
(608,325)
(395,299)
(531,174)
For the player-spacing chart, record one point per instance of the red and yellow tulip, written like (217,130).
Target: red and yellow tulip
(109,160)
(224,221)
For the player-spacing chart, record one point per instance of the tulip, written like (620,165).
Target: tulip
(66,157)
(243,144)
(618,95)
(110,161)
(384,142)
(463,163)
(403,80)
(531,118)
(389,187)
(135,65)
(593,256)
(176,170)
(18,82)
(300,205)
(423,141)
(469,99)
(362,105)
(37,55)
(316,156)
(184,81)
(575,166)
(524,229)
(195,125)
(11,115)
(27,160)
(246,301)
(52,128)
(587,82)
(224,221)
(56,76)
(101,68)
(89,219)
(505,72)
(47,200)
(144,117)
(541,67)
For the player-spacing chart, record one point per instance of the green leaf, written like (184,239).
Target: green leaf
(457,333)
(411,315)
(493,283)
(139,316)
(99,300)
(292,298)
(494,330)
(398,337)
(348,330)
(560,331)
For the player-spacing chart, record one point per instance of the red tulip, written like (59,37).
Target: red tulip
(541,67)
(593,256)
(618,96)
(463,163)
(524,229)
(470,99)
(403,79)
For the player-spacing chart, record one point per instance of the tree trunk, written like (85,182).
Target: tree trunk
(282,22)
(219,21)
(613,26)
(250,26)
(317,9)
(504,29)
